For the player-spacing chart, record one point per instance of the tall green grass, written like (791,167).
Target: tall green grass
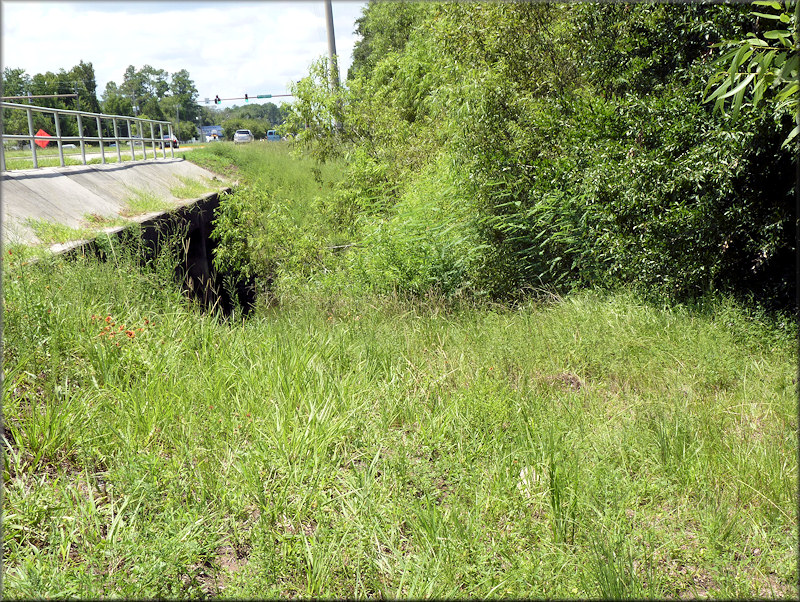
(349,446)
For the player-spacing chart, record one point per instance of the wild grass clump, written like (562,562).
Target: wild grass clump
(191,188)
(371,445)
(140,202)
(52,232)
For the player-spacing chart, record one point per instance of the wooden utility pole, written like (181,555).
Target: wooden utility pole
(332,55)
(331,46)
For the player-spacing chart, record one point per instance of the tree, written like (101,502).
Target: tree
(575,140)
(79,80)
(384,27)
(184,95)
(762,65)
(85,84)
(186,130)
(145,85)
(115,102)
(16,82)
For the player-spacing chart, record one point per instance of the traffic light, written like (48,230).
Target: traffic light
(245,97)
(216,100)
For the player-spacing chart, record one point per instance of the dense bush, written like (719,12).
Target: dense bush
(497,147)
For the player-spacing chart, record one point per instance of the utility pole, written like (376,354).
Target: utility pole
(331,46)
(332,54)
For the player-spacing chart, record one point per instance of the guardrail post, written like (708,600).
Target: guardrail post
(80,133)
(2,148)
(130,139)
(33,142)
(171,136)
(100,137)
(116,141)
(153,137)
(161,135)
(140,134)
(58,139)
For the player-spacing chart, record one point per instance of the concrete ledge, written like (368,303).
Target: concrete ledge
(65,195)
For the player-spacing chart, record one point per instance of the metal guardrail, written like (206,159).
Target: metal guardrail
(134,140)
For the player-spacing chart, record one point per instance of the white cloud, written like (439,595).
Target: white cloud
(228,48)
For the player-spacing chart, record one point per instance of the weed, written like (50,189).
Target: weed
(51,232)
(103,221)
(191,188)
(387,445)
(141,202)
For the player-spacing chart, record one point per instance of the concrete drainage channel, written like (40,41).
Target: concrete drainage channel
(65,196)
(185,233)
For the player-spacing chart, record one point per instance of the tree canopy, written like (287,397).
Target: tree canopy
(510,146)
(146,92)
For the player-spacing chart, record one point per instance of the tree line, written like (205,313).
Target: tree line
(145,92)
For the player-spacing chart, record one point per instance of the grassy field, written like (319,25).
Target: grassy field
(343,445)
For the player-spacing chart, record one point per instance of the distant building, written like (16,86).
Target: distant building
(212,132)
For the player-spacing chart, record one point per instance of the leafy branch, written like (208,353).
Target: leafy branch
(758,65)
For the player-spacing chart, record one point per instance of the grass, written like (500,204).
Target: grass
(51,232)
(52,150)
(347,445)
(141,201)
(191,188)
(589,447)
(96,221)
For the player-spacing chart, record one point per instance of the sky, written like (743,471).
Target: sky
(229,48)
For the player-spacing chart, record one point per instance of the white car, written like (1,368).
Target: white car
(242,136)
(170,142)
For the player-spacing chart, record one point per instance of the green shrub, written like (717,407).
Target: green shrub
(427,240)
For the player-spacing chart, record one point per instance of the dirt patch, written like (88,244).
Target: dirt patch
(307,528)
(566,380)
(228,561)
(8,437)
(232,559)
(775,587)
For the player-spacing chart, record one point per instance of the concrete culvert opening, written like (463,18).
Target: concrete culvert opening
(181,239)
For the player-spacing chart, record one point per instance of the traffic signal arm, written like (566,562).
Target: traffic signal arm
(246,98)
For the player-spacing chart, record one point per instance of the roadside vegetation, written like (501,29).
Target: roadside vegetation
(497,148)
(341,442)
(517,334)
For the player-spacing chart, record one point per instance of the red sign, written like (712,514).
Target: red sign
(42,143)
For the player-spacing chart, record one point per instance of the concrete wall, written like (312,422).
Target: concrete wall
(66,195)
